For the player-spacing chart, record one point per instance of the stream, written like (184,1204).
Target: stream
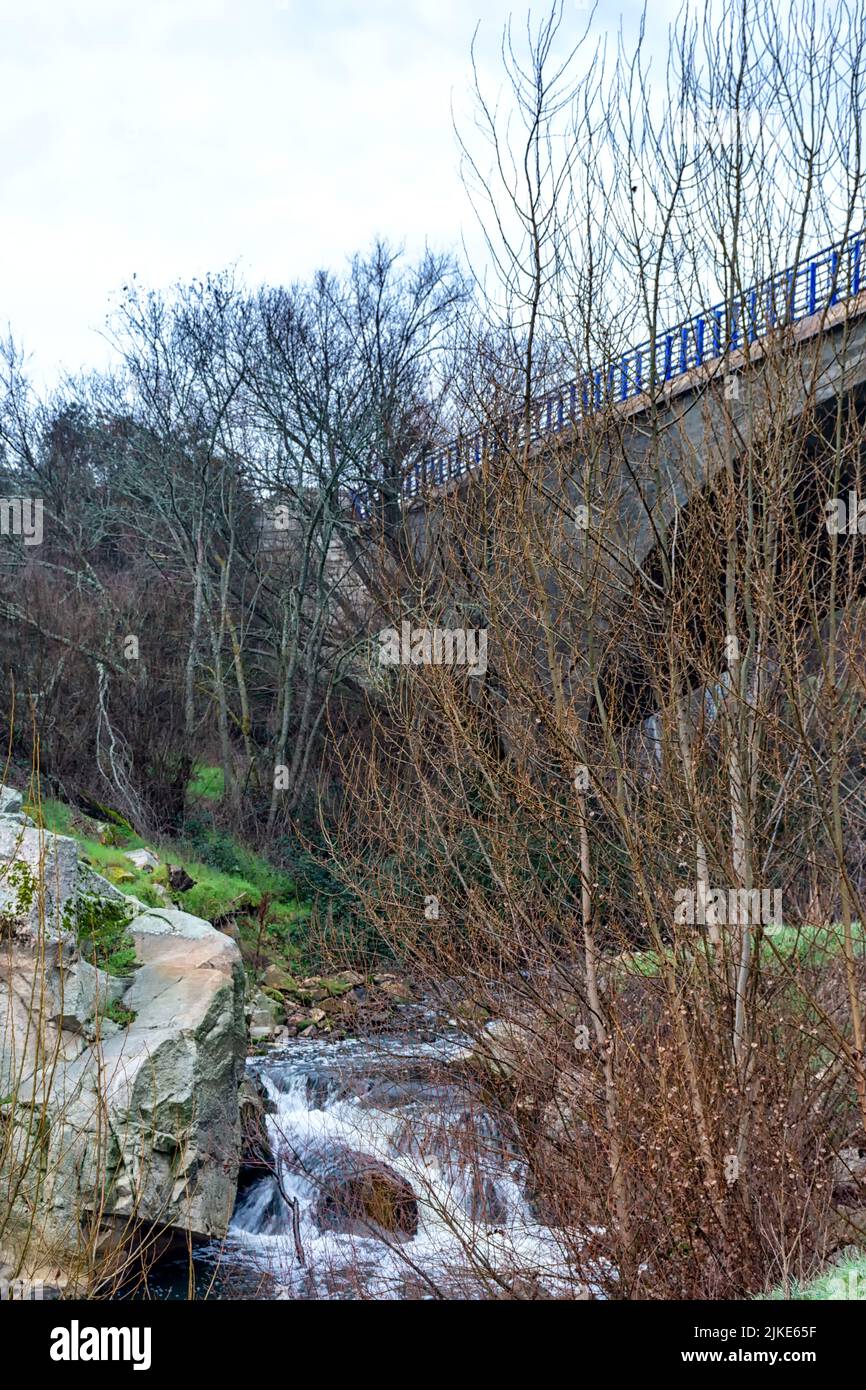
(436,1203)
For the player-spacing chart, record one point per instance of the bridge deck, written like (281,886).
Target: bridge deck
(811,296)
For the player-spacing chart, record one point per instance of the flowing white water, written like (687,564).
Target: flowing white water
(396,1102)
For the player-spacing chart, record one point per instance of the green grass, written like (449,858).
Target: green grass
(52,815)
(843,1280)
(645,963)
(229,878)
(804,945)
(207,783)
(119,1015)
(101,929)
(810,945)
(216,891)
(111,862)
(108,860)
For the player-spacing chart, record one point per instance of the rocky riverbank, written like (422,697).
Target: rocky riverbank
(332,1006)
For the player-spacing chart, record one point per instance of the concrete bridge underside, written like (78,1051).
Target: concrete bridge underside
(645,467)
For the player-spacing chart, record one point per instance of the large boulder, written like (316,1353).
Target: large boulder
(110,1127)
(356,1192)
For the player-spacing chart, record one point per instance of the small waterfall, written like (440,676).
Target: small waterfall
(436,1203)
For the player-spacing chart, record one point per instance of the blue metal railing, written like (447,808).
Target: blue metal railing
(828,278)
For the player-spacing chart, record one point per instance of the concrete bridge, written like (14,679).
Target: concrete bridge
(698,385)
(644,436)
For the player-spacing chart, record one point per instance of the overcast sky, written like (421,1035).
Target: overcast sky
(172,137)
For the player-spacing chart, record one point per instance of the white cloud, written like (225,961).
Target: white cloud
(178,136)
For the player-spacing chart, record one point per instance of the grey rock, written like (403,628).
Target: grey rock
(501,1047)
(849,1166)
(134,1124)
(171,921)
(100,1029)
(265,1016)
(357,1193)
(53,863)
(143,859)
(576,1098)
(262,1032)
(179,879)
(89,881)
(11,801)
(84,992)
